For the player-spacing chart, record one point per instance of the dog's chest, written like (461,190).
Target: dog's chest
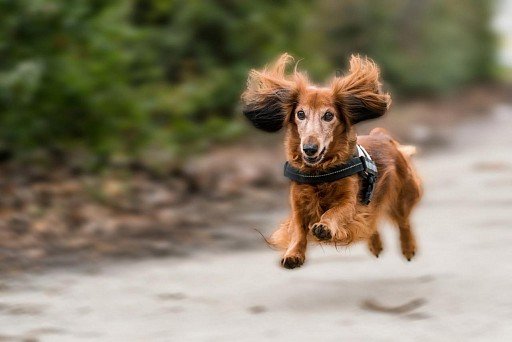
(330,194)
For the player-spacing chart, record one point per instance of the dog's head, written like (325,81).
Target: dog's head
(319,120)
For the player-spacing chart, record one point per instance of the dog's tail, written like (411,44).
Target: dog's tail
(407,150)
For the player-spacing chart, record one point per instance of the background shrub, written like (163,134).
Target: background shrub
(123,78)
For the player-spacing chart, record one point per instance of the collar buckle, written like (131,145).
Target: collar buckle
(369,166)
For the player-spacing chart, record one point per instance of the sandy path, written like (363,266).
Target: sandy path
(458,288)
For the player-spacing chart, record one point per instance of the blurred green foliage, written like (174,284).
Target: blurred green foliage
(431,46)
(129,77)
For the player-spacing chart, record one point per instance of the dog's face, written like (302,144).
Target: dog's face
(319,118)
(317,123)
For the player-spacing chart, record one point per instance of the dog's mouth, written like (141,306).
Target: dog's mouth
(315,159)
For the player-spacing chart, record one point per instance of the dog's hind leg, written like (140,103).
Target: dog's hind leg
(409,192)
(401,213)
(375,244)
(407,239)
(374,241)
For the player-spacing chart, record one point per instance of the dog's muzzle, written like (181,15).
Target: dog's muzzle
(313,159)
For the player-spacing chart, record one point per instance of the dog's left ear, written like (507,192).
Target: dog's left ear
(359,93)
(270,96)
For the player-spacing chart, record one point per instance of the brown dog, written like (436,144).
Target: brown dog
(320,135)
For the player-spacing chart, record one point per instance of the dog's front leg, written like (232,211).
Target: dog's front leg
(333,223)
(295,254)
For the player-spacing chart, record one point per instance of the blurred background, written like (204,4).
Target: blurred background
(124,157)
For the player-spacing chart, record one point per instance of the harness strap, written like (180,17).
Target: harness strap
(352,167)
(362,165)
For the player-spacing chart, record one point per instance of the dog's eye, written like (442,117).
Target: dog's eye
(328,116)
(301,115)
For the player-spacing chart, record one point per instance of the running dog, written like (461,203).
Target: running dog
(342,185)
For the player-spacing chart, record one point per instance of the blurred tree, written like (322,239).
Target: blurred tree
(65,77)
(132,77)
(429,46)
(116,76)
(205,49)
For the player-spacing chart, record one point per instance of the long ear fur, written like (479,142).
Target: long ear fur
(270,96)
(359,93)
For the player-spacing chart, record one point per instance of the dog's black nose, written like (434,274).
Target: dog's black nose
(310,149)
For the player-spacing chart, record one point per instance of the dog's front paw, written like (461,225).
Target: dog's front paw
(321,231)
(292,261)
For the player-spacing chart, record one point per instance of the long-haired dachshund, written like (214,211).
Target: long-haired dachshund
(342,184)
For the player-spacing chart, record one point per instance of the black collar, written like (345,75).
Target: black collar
(362,164)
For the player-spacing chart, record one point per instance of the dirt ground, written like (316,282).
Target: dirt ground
(457,287)
(56,211)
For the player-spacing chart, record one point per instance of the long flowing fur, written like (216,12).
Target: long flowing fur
(271,94)
(332,212)
(359,93)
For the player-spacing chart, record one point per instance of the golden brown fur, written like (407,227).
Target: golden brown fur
(323,118)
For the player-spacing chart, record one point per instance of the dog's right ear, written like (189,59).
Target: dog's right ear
(270,96)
